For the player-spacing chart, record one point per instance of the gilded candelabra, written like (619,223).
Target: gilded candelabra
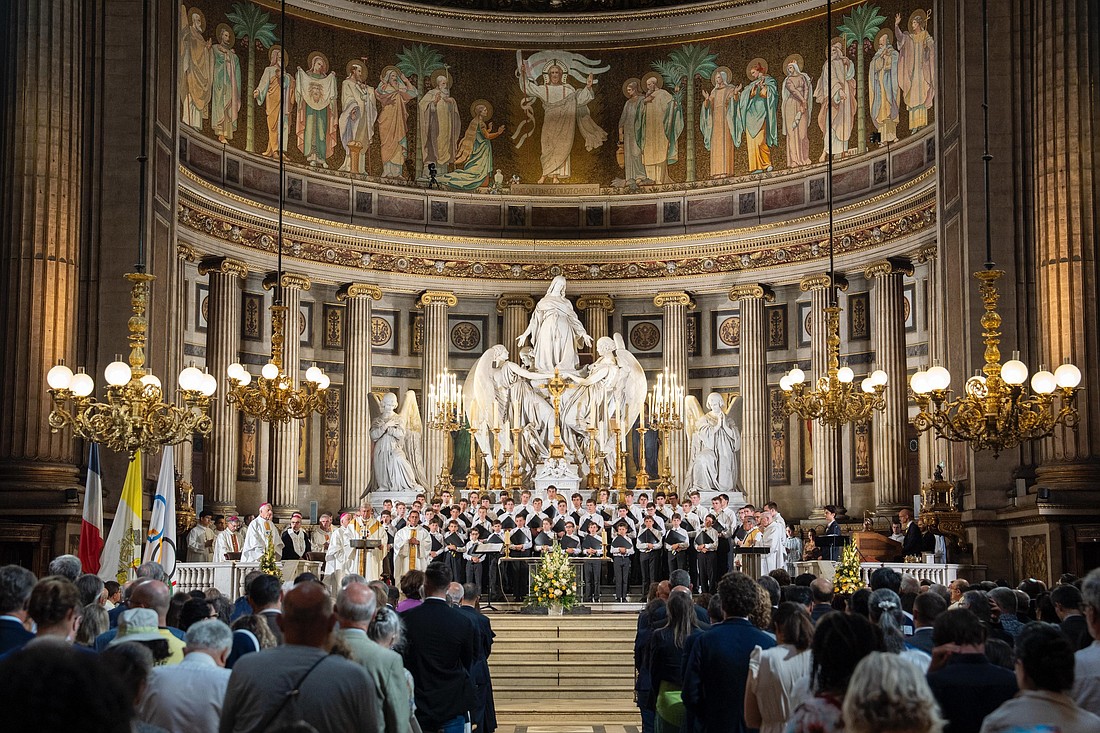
(666,412)
(134,416)
(595,459)
(473,480)
(496,478)
(835,399)
(515,480)
(556,387)
(996,411)
(274,398)
(641,478)
(618,481)
(445,415)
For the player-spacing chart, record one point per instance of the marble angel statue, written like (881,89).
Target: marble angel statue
(714,447)
(398,461)
(496,382)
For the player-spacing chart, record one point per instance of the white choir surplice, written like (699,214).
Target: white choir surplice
(408,557)
(255,540)
(226,543)
(197,551)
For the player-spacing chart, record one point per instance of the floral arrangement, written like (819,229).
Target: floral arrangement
(554,581)
(847,579)
(269,563)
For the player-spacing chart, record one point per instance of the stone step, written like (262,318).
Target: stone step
(575,693)
(603,651)
(554,670)
(528,712)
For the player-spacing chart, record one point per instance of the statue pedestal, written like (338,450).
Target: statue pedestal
(559,473)
(737,499)
(377,497)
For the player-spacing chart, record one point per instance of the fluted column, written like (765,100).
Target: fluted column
(223,342)
(434,360)
(755,422)
(892,489)
(828,480)
(357,298)
(596,309)
(514,307)
(676,306)
(1067,216)
(40,195)
(286,436)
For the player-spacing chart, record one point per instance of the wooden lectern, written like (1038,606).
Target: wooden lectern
(874,547)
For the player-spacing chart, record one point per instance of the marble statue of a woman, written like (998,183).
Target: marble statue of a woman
(715,444)
(397,464)
(554,331)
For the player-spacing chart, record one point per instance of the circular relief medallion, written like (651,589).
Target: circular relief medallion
(906,309)
(301,323)
(465,336)
(730,331)
(380,331)
(645,337)
(206,308)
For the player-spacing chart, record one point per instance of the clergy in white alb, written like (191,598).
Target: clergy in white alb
(200,540)
(410,547)
(259,532)
(230,540)
(771,536)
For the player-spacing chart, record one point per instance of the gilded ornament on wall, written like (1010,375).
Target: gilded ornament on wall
(645,336)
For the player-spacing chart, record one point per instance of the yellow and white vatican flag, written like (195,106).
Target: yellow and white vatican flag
(122,551)
(160,543)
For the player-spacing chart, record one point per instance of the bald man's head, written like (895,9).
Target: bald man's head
(307,617)
(355,606)
(663,589)
(149,593)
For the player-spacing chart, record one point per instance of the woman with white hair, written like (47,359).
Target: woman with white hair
(887,693)
(388,630)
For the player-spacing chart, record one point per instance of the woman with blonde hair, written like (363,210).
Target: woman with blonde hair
(888,694)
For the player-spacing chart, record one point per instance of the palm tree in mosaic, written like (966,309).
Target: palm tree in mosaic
(680,71)
(254,28)
(859,28)
(416,62)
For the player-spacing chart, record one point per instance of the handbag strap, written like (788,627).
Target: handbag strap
(291,693)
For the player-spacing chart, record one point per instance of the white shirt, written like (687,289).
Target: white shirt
(187,696)
(1086,678)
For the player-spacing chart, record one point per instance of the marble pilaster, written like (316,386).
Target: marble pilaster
(357,299)
(515,308)
(596,309)
(433,361)
(754,390)
(223,342)
(828,481)
(892,490)
(675,306)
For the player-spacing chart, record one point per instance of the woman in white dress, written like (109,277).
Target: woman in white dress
(774,673)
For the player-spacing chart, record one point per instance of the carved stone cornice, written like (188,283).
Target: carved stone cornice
(429,297)
(926,253)
(512,300)
(186,252)
(290,280)
(358,290)
(820,282)
(752,291)
(596,301)
(889,266)
(673,298)
(223,265)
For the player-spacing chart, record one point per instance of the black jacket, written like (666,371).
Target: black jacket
(440,644)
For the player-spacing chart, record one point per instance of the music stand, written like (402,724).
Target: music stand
(834,543)
(363,544)
(751,558)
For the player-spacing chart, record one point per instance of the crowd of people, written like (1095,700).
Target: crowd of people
(287,656)
(782,654)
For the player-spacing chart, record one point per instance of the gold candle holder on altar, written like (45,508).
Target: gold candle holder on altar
(473,480)
(496,482)
(515,480)
(618,481)
(666,415)
(641,478)
(444,410)
(592,481)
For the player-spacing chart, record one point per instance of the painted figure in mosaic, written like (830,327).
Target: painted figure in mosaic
(883,87)
(660,121)
(716,122)
(225,102)
(798,104)
(440,125)
(315,93)
(841,98)
(276,99)
(394,92)
(629,153)
(916,67)
(196,68)
(475,151)
(757,117)
(358,113)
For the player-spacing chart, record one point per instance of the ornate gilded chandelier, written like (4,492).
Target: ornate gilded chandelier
(274,398)
(134,416)
(996,411)
(834,399)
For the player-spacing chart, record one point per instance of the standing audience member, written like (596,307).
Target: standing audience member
(665,657)
(189,696)
(966,684)
(92,589)
(16,584)
(926,609)
(355,608)
(195,610)
(54,606)
(886,613)
(131,664)
(841,640)
(139,626)
(643,689)
(240,606)
(388,631)
(265,597)
(1002,605)
(484,712)
(717,669)
(821,591)
(114,594)
(1044,671)
(1067,606)
(412,587)
(300,681)
(146,593)
(439,649)
(93,622)
(889,694)
(1086,684)
(774,673)
(67,566)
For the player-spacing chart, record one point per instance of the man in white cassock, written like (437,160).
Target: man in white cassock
(772,537)
(200,540)
(410,547)
(230,540)
(257,535)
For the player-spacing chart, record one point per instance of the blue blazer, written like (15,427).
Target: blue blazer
(12,635)
(716,672)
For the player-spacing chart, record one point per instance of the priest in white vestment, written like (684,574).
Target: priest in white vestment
(772,537)
(200,540)
(230,540)
(258,533)
(410,547)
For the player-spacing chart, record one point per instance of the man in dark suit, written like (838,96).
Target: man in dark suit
(718,664)
(16,584)
(832,529)
(265,596)
(439,649)
(821,591)
(927,607)
(484,713)
(912,543)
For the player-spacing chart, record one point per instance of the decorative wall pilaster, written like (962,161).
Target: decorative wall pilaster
(434,360)
(892,490)
(357,299)
(754,389)
(223,342)
(676,306)
(514,307)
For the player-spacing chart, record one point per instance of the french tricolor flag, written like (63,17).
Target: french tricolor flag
(91,526)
